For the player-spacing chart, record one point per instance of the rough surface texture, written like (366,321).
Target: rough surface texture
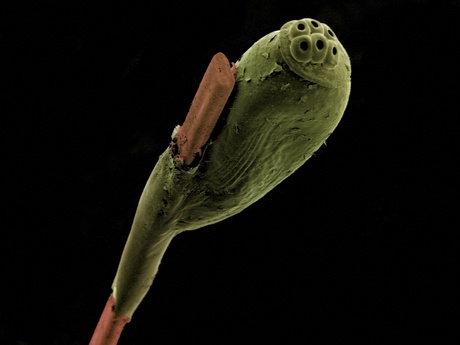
(277,120)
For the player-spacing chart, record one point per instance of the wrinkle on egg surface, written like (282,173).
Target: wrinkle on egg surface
(292,88)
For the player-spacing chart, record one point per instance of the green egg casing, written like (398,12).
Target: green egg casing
(292,88)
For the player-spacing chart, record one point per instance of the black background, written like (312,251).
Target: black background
(356,246)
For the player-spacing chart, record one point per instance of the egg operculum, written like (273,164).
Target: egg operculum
(311,49)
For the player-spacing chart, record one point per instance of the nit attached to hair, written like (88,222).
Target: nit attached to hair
(265,137)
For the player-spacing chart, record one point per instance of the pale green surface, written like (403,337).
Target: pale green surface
(278,119)
(321,66)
